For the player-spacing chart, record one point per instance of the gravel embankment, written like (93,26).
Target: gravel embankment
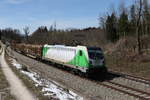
(84,87)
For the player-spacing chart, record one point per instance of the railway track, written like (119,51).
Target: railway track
(140,95)
(126,90)
(133,78)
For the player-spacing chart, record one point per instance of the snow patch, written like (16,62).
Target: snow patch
(49,88)
(17,65)
(33,76)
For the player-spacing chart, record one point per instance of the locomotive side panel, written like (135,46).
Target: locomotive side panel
(60,54)
(75,57)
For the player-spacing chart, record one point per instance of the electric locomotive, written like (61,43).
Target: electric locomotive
(88,60)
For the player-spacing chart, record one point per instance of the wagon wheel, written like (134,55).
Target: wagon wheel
(81,74)
(74,71)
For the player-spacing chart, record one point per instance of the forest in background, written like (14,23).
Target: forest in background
(127,26)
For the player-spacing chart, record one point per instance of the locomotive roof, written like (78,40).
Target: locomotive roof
(60,45)
(94,48)
(64,46)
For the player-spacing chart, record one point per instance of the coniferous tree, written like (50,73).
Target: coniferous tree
(146,17)
(132,20)
(123,24)
(111,28)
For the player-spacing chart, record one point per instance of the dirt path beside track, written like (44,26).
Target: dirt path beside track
(18,89)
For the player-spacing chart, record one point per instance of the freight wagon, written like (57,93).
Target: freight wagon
(80,58)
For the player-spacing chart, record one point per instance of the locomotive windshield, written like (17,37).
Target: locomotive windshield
(95,53)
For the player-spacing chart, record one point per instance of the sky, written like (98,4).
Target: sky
(65,13)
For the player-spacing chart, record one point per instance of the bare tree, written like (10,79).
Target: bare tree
(102,21)
(26,31)
(139,15)
(145,15)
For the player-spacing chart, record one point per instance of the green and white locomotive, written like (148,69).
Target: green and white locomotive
(81,58)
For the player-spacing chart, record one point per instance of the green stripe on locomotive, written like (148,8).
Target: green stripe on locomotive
(80,60)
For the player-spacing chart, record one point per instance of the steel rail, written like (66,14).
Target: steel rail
(131,77)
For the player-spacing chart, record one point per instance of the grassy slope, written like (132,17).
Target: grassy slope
(137,68)
(122,56)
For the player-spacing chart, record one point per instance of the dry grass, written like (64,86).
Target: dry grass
(138,65)
(4,87)
(3,81)
(123,57)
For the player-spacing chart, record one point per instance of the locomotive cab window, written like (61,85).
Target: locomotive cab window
(80,52)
